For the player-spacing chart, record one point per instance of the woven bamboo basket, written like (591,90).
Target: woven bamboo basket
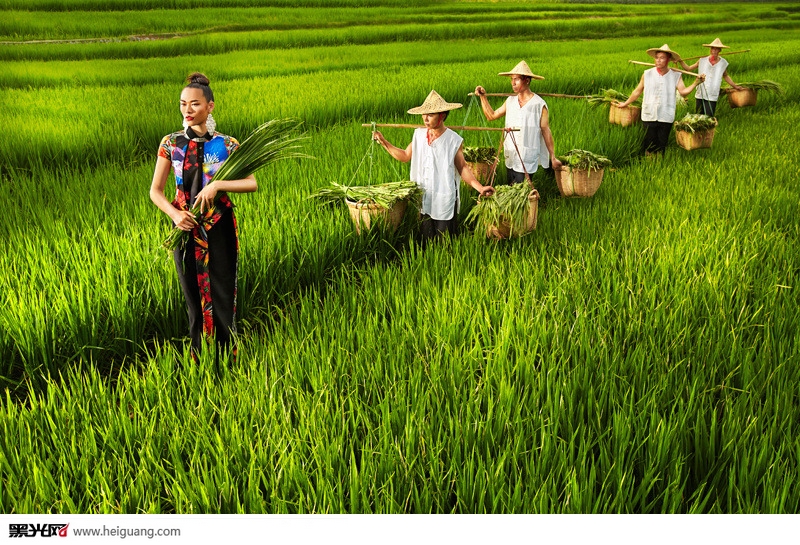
(624,116)
(365,215)
(574,182)
(745,97)
(482,171)
(696,140)
(503,231)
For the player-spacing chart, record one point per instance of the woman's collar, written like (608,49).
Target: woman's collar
(191,135)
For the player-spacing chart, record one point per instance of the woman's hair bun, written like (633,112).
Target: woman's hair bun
(198,78)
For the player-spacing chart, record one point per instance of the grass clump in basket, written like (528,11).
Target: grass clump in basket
(761,85)
(695,123)
(386,194)
(480,154)
(270,142)
(508,204)
(609,96)
(580,159)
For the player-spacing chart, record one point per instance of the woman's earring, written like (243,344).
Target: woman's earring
(211,124)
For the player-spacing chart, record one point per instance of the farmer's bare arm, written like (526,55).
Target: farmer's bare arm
(730,82)
(547,134)
(490,113)
(468,176)
(634,95)
(402,155)
(685,91)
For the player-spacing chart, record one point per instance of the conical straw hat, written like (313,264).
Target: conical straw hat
(716,43)
(434,104)
(521,69)
(665,48)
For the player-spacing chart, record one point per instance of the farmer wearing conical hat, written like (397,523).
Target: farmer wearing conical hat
(534,142)
(437,160)
(658,105)
(716,69)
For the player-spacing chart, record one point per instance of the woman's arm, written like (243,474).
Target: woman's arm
(207,196)
(182,219)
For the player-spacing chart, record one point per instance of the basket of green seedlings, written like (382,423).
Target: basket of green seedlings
(618,116)
(748,95)
(695,131)
(382,204)
(482,161)
(581,174)
(511,212)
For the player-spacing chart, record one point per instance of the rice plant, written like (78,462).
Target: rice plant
(636,353)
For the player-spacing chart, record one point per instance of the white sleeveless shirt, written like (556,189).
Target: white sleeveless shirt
(713,78)
(658,103)
(433,168)
(529,139)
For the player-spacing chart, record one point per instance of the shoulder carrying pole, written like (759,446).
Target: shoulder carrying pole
(556,95)
(675,69)
(723,54)
(455,128)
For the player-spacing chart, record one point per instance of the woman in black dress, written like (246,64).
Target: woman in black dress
(207,264)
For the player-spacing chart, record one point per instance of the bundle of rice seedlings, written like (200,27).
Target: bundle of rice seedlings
(761,85)
(584,160)
(609,96)
(270,142)
(695,122)
(480,154)
(508,204)
(386,194)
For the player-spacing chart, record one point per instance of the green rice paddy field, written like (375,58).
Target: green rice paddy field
(638,353)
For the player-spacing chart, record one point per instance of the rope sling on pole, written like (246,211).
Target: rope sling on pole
(472,101)
(370,153)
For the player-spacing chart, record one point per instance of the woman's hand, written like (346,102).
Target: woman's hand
(206,197)
(184,220)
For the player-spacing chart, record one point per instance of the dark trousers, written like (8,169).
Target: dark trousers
(430,228)
(657,136)
(514,177)
(222,264)
(707,107)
